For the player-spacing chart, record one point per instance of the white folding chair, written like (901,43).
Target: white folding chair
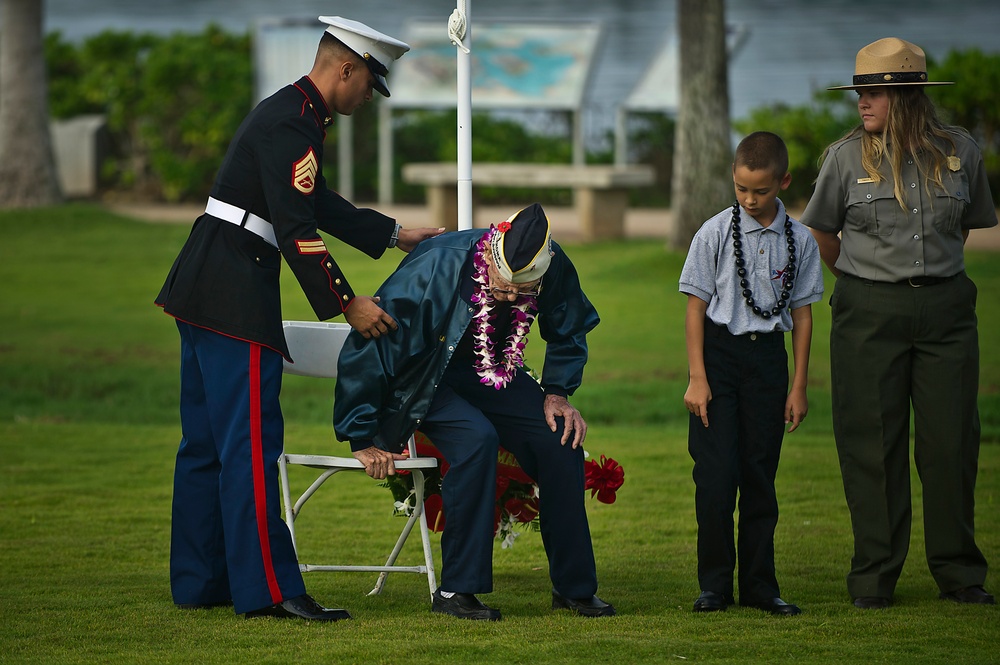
(315,347)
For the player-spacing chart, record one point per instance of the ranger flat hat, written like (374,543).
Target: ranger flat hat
(522,245)
(890,61)
(377,50)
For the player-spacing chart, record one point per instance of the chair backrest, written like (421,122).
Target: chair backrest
(314,347)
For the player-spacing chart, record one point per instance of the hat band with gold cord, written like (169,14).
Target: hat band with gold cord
(890,77)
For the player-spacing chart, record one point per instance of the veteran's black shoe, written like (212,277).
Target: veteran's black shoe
(463,606)
(775,606)
(974,595)
(586,607)
(203,606)
(709,601)
(872,603)
(300,607)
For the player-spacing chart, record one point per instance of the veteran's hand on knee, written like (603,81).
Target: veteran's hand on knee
(378,463)
(557,405)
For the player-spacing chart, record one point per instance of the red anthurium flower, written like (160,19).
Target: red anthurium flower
(434,510)
(523,510)
(604,478)
(507,467)
(503,483)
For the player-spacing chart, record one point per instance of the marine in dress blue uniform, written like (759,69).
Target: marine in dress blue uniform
(269,200)
(426,377)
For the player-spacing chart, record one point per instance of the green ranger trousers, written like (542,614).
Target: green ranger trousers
(893,346)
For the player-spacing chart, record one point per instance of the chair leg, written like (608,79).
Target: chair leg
(428,556)
(418,512)
(286,497)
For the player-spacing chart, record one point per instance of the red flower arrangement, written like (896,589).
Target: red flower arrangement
(516,492)
(604,479)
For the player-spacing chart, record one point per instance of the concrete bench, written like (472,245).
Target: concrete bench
(600,192)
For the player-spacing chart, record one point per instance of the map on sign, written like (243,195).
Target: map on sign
(514,65)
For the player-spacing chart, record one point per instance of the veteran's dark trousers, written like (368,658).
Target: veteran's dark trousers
(892,345)
(738,454)
(467,422)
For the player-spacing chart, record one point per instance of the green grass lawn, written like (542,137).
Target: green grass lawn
(89,428)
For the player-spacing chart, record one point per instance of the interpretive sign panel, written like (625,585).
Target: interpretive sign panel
(514,65)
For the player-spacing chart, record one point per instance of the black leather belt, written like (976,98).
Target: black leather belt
(714,330)
(915,282)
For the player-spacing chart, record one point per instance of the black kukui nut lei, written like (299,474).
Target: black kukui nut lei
(787,278)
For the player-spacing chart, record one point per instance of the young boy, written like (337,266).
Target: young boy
(750,275)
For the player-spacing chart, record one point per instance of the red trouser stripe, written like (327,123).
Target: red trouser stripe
(257,461)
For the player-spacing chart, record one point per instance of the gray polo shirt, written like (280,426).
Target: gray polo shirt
(710,271)
(879,239)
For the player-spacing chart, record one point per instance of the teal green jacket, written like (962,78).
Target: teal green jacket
(385,386)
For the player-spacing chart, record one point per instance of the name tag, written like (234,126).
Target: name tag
(863,181)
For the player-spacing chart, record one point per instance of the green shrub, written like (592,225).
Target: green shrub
(172,104)
(972,102)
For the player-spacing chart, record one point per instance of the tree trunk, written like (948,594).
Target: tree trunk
(702,183)
(28,174)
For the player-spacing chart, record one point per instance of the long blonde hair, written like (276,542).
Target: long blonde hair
(912,127)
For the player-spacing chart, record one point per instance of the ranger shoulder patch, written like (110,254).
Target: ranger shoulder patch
(304,172)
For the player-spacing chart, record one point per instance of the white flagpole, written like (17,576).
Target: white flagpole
(460,32)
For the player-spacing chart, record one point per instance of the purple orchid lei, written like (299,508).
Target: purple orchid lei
(497,373)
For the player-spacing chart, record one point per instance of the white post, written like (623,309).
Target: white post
(464,118)
(345,157)
(385,150)
(579,151)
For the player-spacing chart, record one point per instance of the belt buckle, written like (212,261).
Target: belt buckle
(909,280)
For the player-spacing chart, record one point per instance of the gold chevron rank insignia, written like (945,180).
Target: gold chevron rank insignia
(304,172)
(315,246)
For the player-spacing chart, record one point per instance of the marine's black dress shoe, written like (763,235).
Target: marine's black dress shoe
(975,595)
(463,606)
(709,601)
(587,607)
(775,606)
(872,603)
(204,606)
(300,607)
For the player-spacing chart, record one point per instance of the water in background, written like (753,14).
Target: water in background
(793,46)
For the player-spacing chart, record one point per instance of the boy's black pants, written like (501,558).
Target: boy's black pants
(737,454)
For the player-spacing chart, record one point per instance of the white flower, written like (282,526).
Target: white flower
(505,530)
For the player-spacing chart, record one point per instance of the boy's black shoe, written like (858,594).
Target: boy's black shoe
(300,607)
(775,606)
(872,603)
(587,607)
(463,606)
(709,601)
